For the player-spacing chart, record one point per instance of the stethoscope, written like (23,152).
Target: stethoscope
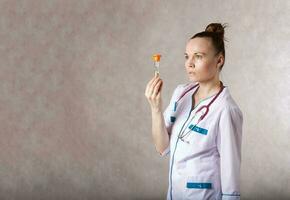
(204,109)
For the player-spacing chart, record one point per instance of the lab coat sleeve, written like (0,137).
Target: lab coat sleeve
(229,146)
(167,115)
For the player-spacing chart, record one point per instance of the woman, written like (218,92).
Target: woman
(202,125)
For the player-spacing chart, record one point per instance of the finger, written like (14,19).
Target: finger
(161,86)
(153,87)
(155,82)
(160,90)
(152,80)
(156,77)
(156,89)
(149,84)
(158,95)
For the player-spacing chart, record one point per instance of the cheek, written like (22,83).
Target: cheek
(204,67)
(205,71)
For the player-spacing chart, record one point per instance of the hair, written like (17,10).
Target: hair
(215,31)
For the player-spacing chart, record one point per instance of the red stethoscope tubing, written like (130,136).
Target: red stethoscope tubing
(202,107)
(205,106)
(208,105)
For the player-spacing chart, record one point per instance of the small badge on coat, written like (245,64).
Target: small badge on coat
(198,129)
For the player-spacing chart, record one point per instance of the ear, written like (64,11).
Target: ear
(220,62)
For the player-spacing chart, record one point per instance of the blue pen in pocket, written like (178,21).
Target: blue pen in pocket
(173,117)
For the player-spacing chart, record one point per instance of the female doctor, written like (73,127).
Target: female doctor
(201,128)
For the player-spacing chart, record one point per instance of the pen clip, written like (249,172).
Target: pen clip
(175,106)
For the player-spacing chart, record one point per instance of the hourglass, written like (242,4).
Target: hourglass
(156,59)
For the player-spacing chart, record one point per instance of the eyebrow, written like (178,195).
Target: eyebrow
(196,53)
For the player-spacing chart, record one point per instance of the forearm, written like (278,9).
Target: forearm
(159,131)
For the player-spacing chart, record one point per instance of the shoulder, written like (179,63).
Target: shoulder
(229,106)
(185,86)
(181,87)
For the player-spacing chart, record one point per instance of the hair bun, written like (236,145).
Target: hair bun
(216,28)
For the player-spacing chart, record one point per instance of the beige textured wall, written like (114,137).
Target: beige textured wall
(74,120)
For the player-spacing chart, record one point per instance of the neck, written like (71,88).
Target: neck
(208,88)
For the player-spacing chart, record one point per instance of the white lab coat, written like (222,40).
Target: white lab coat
(208,167)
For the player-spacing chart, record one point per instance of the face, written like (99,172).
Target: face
(201,63)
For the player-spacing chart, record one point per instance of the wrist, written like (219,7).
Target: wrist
(156,111)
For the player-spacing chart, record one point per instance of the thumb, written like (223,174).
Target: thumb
(156,74)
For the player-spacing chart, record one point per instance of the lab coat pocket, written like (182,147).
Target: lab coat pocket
(199,136)
(199,188)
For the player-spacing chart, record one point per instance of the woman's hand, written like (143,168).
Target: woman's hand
(153,93)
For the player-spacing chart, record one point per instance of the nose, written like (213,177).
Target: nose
(190,62)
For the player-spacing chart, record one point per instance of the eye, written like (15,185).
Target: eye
(186,56)
(198,56)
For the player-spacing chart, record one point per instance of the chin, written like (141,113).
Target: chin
(192,79)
